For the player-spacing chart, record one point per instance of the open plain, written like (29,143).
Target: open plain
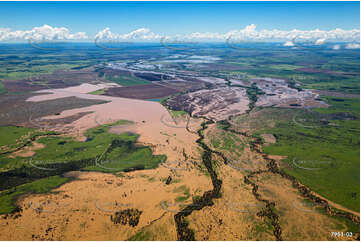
(210,144)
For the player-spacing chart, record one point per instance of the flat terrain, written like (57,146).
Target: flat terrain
(208,143)
(150,91)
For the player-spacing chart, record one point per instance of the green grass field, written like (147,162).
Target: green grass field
(9,134)
(176,114)
(97,92)
(8,197)
(338,105)
(124,155)
(323,156)
(3,89)
(13,137)
(31,71)
(127,80)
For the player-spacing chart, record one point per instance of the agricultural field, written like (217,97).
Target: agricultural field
(149,91)
(126,80)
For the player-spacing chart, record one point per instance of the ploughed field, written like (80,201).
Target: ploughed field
(150,91)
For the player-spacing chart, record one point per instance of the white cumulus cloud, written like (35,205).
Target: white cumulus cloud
(139,34)
(248,33)
(41,33)
(320,41)
(288,43)
(353,46)
(336,47)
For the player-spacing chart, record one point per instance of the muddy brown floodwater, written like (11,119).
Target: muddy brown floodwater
(82,209)
(146,116)
(194,195)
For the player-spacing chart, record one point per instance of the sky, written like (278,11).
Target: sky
(172,18)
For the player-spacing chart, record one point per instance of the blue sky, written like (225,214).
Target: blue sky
(179,17)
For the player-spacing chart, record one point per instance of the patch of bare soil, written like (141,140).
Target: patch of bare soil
(215,104)
(58,125)
(213,80)
(150,76)
(279,94)
(22,86)
(57,79)
(149,91)
(28,150)
(185,84)
(114,72)
(269,139)
(15,110)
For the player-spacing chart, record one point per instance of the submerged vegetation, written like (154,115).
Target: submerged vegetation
(44,185)
(102,151)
